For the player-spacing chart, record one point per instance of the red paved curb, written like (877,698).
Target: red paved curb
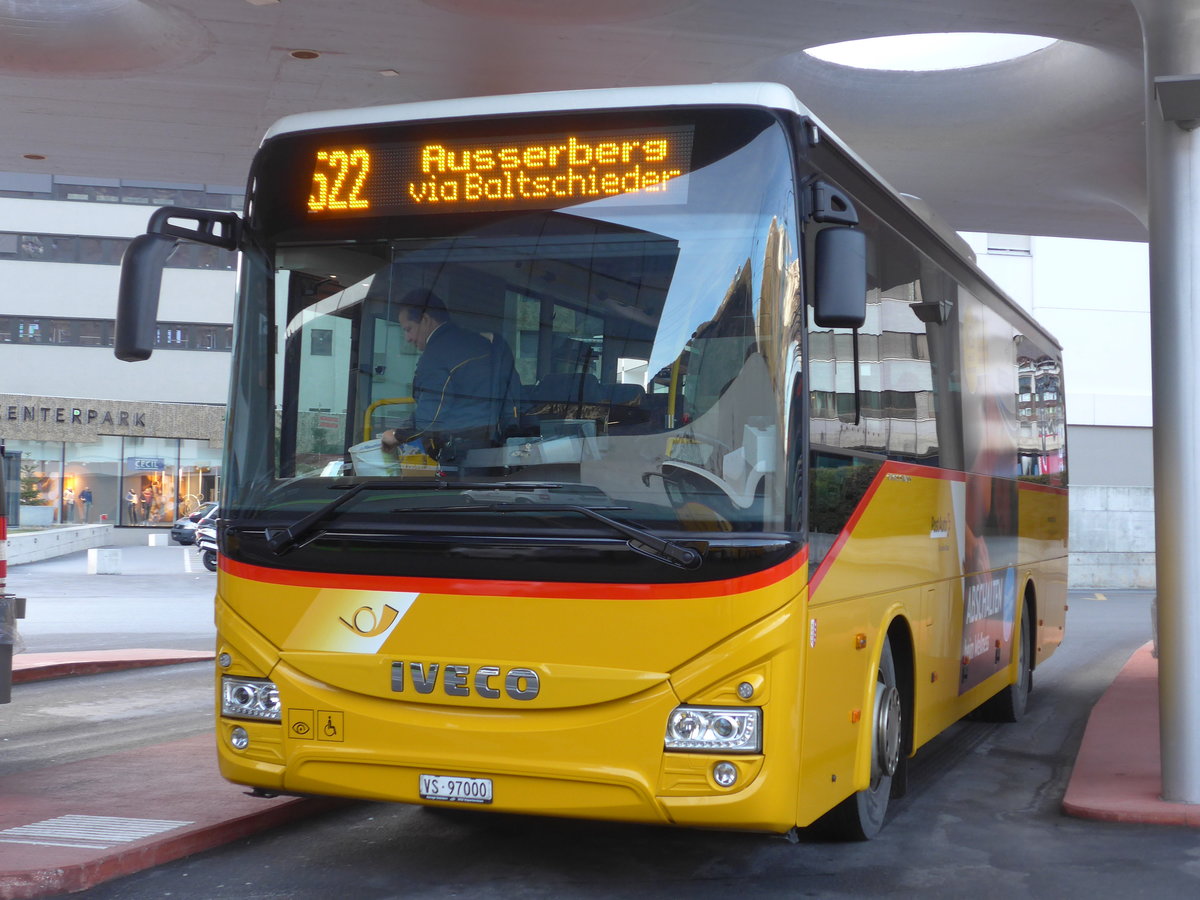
(28,667)
(1118,771)
(175,781)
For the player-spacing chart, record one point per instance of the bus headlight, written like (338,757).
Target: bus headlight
(718,728)
(249,698)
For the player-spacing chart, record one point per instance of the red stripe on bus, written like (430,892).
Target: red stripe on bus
(487,588)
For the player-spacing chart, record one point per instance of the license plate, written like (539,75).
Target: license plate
(452,789)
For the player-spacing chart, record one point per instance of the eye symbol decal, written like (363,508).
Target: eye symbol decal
(367,623)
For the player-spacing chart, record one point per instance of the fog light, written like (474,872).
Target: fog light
(224,660)
(725,774)
(240,740)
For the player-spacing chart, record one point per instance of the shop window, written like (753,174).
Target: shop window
(40,484)
(199,475)
(148,482)
(91,479)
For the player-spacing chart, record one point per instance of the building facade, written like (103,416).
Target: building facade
(95,439)
(126,462)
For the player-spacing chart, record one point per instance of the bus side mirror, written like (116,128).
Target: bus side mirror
(137,297)
(142,269)
(840,282)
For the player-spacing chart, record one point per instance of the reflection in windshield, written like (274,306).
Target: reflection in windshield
(632,350)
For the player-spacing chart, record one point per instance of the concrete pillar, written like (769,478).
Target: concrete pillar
(1171,32)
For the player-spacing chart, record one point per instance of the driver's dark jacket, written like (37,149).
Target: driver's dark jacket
(453,385)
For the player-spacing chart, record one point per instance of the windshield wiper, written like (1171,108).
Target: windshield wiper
(639,540)
(281,540)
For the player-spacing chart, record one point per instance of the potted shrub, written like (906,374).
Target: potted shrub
(35,507)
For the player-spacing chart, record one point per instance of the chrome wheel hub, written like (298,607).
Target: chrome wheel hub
(887,729)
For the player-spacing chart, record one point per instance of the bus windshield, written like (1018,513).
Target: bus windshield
(622,353)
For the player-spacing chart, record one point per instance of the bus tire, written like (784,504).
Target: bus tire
(1010,704)
(860,816)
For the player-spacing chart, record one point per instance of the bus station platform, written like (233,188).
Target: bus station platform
(67,828)
(1118,773)
(43,666)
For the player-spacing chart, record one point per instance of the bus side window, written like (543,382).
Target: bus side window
(837,484)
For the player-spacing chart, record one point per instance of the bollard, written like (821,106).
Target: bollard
(11,609)
(104,561)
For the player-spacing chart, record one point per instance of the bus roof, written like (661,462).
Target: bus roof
(762,94)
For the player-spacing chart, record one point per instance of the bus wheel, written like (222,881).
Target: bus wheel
(860,816)
(1009,705)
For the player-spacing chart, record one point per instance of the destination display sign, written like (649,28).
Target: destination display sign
(498,173)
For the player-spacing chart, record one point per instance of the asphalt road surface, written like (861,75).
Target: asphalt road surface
(51,723)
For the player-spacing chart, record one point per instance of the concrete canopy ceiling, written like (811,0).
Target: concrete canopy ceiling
(182,90)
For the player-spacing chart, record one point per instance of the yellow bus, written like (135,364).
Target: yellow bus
(631,454)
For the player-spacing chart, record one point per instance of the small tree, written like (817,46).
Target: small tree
(31,493)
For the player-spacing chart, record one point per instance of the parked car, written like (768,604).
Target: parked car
(184,530)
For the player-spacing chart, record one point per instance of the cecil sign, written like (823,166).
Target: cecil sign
(144,464)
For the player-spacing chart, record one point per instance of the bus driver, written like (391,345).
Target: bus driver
(460,383)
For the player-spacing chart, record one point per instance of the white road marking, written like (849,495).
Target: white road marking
(92,832)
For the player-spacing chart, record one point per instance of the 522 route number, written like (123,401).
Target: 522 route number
(338,180)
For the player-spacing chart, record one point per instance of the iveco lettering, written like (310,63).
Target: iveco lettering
(462,681)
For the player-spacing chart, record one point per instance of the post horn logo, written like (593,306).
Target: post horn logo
(367,623)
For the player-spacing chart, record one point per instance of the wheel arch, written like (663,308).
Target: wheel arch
(900,635)
(1029,606)
(844,820)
